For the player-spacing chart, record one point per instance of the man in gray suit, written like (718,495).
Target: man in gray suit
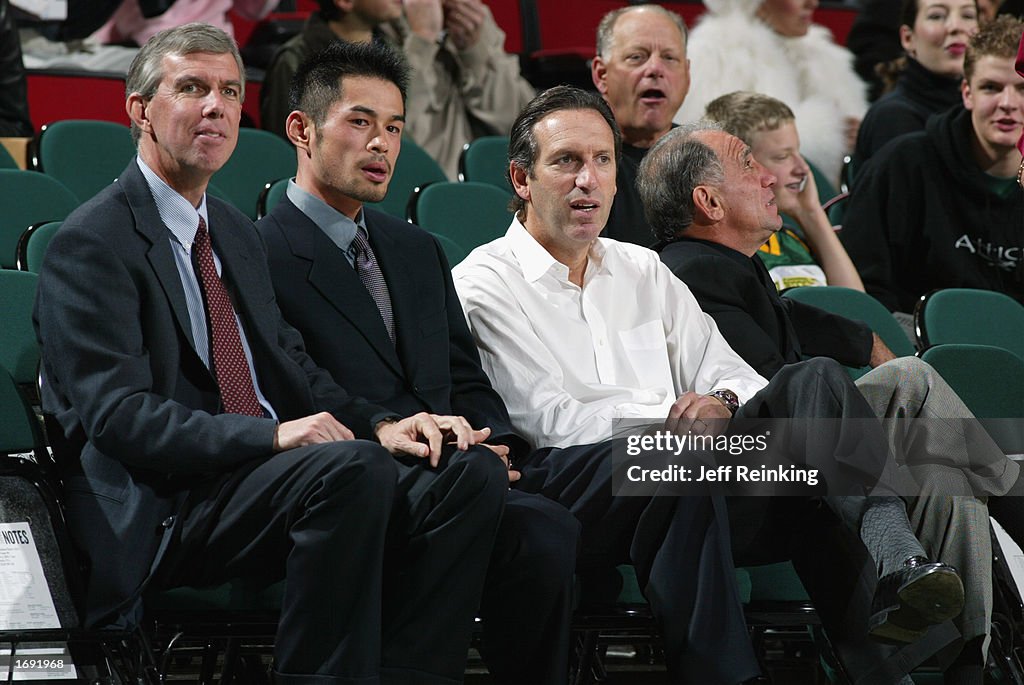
(209,446)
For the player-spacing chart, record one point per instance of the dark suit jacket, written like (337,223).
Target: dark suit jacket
(433,366)
(124,380)
(768,331)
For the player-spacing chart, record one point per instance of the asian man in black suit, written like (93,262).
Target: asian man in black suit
(211,447)
(374,301)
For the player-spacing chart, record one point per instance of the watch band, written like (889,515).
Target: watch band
(728,398)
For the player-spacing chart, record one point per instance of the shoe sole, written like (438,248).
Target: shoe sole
(929,600)
(935,597)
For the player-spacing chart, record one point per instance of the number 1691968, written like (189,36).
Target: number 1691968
(37,664)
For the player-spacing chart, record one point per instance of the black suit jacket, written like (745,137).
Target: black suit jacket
(768,331)
(124,380)
(433,366)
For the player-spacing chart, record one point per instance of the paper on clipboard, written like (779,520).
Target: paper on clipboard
(25,599)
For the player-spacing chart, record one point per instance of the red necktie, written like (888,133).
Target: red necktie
(229,362)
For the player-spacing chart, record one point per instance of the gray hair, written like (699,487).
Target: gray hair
(606,28)
(669,173)
(146,71)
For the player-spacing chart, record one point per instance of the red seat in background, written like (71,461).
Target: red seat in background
(76,94)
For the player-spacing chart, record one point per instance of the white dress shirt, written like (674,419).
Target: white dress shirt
(569,361)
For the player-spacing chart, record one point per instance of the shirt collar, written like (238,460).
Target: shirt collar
(177,213)
(338,227)
(536,261)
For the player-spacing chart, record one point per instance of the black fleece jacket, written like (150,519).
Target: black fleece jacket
(918,94)
(924,216)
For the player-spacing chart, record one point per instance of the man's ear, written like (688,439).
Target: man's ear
(686,81)
(965,94)
(519,181)
(598,74)
(135,106)
(707,202)
(344,5)
(299,129)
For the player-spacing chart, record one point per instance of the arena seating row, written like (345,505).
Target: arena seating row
(237,619)
(72,160)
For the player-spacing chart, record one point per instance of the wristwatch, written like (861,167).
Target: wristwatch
(728,398)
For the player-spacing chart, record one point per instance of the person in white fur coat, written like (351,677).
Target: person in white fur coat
(771,47)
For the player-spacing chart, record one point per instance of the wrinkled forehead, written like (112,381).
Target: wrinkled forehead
(725,145)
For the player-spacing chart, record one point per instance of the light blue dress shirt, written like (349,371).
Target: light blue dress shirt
(338,227)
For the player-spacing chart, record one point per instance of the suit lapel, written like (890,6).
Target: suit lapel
(334,278)
(160,254)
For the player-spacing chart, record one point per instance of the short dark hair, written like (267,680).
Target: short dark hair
(317,83)
(329,11)
(909,10)
(522,145)
(672,168)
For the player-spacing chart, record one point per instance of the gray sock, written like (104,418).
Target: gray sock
(885,531)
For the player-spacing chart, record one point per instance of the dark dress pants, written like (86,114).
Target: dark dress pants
(820,536)
(528,595)
(384,558)
(680,548)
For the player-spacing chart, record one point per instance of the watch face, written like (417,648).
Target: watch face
(728,398)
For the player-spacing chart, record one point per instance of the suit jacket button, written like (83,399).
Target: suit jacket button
(168,522)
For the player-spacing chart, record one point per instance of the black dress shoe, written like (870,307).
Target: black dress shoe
(908,601)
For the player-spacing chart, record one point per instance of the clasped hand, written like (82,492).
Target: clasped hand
(423,435)
(696,413)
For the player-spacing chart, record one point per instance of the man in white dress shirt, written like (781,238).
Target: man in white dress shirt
(577,332)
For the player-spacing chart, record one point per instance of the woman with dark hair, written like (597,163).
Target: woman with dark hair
(934,36)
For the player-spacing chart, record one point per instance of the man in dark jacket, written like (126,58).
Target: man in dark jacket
(942,208)
(211,445)
(401,337)
(714,224)
(464,85)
